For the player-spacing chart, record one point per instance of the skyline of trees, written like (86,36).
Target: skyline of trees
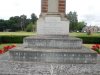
(22,23)
(17,23)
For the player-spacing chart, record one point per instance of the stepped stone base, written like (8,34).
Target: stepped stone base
(53,55)
(53,41)
(53,49)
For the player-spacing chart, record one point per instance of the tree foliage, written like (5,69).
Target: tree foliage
(81,25)
(29,27)
(72,16)
(17,23)
(33,18)
(74,24)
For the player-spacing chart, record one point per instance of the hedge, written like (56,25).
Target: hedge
(90,40)
(11,39)
(19,39)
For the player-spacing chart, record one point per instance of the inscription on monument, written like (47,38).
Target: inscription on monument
(55,57)
(53,43)
(52,19)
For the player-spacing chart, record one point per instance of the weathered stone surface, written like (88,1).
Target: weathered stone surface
(52,19)
(54,7)
(55,41)
(66,56)
(35,68)
(51,25)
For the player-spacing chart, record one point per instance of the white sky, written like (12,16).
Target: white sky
(87,10)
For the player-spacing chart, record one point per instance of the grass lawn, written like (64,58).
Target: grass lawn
(84,34)
(17,33)
(33,33)
(88,45)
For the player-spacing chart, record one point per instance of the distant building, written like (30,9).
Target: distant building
(91,28)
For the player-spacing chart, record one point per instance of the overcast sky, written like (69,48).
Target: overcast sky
(87,10)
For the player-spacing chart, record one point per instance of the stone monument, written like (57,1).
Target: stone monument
(52,19)
(52,43)
(52,51)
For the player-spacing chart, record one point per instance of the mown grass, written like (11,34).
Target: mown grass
(88,45)
(17,33)
(33,33)
(84,34)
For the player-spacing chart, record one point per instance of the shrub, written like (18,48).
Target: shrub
(90,40)
(11,39)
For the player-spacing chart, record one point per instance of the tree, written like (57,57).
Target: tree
(72,16)
(2,25)
(81,25)
(29,27)
(23,22)
(16,20)
(19,22)
(33,18)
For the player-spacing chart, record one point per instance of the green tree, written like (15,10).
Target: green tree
(23,22)
(33,18)
(72,16)
(81,25)
(16,20)
(29,27)
(2,25)
(19,23)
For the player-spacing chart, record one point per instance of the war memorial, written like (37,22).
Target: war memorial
(52,51)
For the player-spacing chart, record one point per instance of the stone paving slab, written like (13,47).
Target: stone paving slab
(22,68)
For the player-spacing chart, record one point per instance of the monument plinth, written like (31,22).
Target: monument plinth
(52,43)
(52,19)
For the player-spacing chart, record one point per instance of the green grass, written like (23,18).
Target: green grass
(84,34)
(17,33)
(33,33)
(88,45)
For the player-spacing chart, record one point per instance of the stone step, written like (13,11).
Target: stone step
(62,42)
(46,55)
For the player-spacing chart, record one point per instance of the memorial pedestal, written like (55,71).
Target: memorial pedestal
(53,49)
(52,25)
